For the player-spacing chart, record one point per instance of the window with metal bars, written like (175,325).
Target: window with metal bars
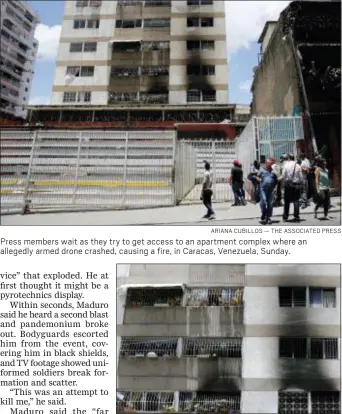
(157,23)
(313,348)
(325,402)
(155,70)
(148,46)
(122,96)
(69,97)
(148,347)
(209,402)
(200,22)
(124,71)
(292,297)
(153,3)
(209,96)
(147,97)
(214,347)
(290,402)
(214,297)
(161,297)
(322,298)
(79,24)
(144,401)
(80,71)
(89,47)
(93,24)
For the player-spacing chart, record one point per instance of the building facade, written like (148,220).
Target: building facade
(18,53)
(228,338)
(142,52)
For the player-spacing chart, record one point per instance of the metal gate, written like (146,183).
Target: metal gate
(220,155)
(63,170)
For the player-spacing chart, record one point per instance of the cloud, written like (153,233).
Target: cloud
(246,19)
(39,100)
(48,37)
(245,85)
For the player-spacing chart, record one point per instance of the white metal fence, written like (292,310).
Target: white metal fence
(62,170)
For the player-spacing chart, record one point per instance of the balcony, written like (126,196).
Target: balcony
(192,312)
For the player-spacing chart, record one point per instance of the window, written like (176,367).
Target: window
(207,45)
(87,71)
(293,348)
(157,23)
(123,97)
(207,22)
(81,3)
(75,47)
(141,347)
(209,96)
(155,70)
(79,24)
(193,70)
(69,97)
(209,402)
(313,348)
(218,347)
(321,402)
(214,297)
(149,3)
(162,297)
(293,402)
(201,96)
(128,24)
(323,348)
(84,71)
(147,46)
(93,24)
(208,70)
(199,2)
(90,47)
(154,98)
(292,297)
(322,298)
(325,402)
(117,71)
(192,22)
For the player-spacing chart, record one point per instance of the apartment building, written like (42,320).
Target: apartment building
(229,338)
(142,52)
(18,53)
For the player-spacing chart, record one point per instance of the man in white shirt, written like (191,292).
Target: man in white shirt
(293,180)
(305,166)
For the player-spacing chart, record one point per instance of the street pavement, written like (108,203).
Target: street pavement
(180,215)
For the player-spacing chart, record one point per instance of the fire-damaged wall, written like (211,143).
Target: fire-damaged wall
(308,36)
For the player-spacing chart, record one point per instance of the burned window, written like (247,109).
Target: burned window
(322,298)
(147,97)
(144,401)
(193,2)
(323,348)
(209,96)
(207,22)
(126,46)
(293,348)
(75,47)
(192,22)
(69,97)
(214,297)
(124,71)
(157,23)
(325,402)
(128,24)
(155,70)
(148,46)
(193,45)
(209,402)
(193,96)
(206,2)
(193,70)
(288,400)
(122,97)
(162,297)
(79,24)
(90,47)
(214,347)
(148,347)
(292,297)
(208,70)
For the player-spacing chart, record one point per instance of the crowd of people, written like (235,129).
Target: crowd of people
(294,181)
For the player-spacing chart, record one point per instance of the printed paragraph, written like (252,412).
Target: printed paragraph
(54,336)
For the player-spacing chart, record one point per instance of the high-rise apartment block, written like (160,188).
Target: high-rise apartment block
(18,53)
(142,52)
(229,339)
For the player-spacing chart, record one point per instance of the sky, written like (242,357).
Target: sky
(244,23)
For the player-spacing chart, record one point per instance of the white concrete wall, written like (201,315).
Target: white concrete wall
(293,269)
(257,402)
(267,37)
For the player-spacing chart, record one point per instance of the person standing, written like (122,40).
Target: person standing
(277,172)
(236,181)
(292,187)
(252,177)
(323,188)
(305,168)
(268,181)
(207,192)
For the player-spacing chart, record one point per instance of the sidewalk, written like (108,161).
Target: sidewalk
(156,216)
